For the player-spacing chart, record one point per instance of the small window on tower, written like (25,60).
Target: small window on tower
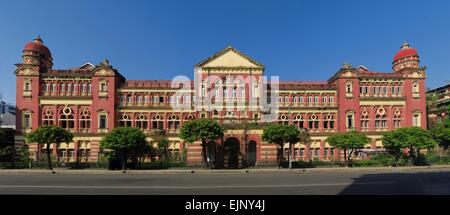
(103,87)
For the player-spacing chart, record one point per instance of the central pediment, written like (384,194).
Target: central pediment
(229,58)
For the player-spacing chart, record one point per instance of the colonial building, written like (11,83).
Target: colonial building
(93,99)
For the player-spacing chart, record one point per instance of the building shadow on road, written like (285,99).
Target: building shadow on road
(423,183)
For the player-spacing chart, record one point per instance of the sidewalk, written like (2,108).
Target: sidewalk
(439,168)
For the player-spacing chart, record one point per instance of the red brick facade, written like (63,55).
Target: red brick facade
(91,100)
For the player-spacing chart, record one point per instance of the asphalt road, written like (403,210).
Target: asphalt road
(235,183)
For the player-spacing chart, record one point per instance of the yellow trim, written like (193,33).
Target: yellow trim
(66,102)
(382,103)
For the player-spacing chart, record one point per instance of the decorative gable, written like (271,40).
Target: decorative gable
(229,58)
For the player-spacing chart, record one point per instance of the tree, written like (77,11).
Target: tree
(441,133)
(350,141)
(163,148)
(206,130)
(274,134)
(48,135)
(413,138)
(124,141)
(281,134)
(7,148)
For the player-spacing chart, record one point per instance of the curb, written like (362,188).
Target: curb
(245,171)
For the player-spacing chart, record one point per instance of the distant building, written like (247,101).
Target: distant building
(438,104)
(91,100)
(7,115)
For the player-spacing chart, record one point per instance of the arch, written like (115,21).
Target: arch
(141,121)
(231,152)
(48,117)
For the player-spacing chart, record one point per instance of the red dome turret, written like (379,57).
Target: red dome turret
(38,46)
(407,57)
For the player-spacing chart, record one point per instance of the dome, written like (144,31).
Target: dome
(38,47)
(405,51)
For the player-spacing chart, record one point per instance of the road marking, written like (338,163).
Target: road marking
(194,187)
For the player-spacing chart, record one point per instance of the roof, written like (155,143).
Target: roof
(150,83)
(68,73)
(226,50)
(37,45)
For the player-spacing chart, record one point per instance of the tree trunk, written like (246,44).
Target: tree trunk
(349,157)
(289,156)
(345,156)
(205,153)
(411,155)
(49,161)
(124,161)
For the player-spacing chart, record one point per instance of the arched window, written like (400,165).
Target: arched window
(328,122)
(309,99)
(53,87)
(316,99)
(66,119)
(324,99)
(283,119)
(298,121)
(139,99)
(48,118)
(62,87)
(313,122)
(174,122)
(364,119)
(380,118)
(141,122)
(158,122)
(189,117)
(125,120)
(295,99)
(122,100)
(85,119)
(397,119)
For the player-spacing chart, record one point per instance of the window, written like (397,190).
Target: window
(139,99)
(309,99)
(313,122)
(155,99)
(256,90)
(158,122)
(89,88)
(225,93)
(415,88)
(141,122)
(416,119)
(27,120)
(84,88)
(146,99)
(103,121)
(27,86)
(350,121)
(349,88)
(331,99)
(69,87)
(317,152)
(122,99)
(47,119)
(316,99)
(129,99)
(302,152)
(187,99)
(125,121)
(161,99)
(62,87)
(62,153)
(53,87)
(85,119)
(295,99)
(364,120)
(301,99)
(324,99)
(328,122)
(203,90)
(298,121)
(327,154)
(66,118)
(103,86)
(174,122)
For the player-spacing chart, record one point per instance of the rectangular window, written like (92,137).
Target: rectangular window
(161,99)
(317,152)
(416,120)
(103,122)
(103,87)
(302,152)
(349,121)
(27,120)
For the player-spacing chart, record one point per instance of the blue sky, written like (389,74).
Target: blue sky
(297,40)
